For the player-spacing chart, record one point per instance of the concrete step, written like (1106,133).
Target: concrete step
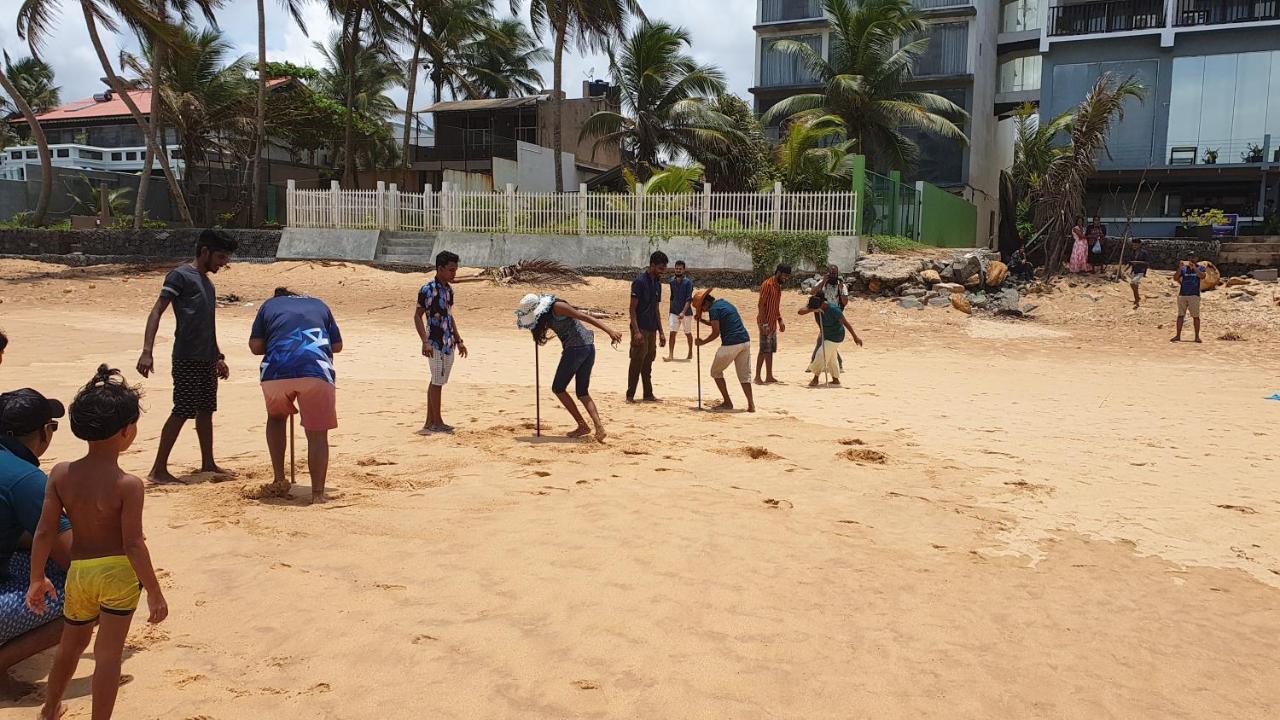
(1254,239)
(398,249)
(410,259)
(1269,246)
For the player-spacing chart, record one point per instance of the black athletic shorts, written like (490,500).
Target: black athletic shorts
(195,388)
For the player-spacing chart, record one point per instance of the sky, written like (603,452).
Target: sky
(720,29)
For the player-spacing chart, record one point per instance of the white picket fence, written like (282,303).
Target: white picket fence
(581,213)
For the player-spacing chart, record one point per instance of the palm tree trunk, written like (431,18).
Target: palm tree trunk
(260,131)
(148,159)
(113,81)
(352,40)
(42,146)
(412,82)
(557,69)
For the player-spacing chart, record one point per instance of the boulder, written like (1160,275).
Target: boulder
(1008,298)
(930,276)
(913,291)
(979,300)
(1237,281)
(1250,290)
(939,301)
(973,281)
(1245,297)
(948,288)
(910,303)
(1212,278)
(874,286)
(961,303)
(889,270)
(996,274)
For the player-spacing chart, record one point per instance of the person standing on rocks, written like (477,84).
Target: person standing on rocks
(646,326)
(1138,265)
(198,363)
(769,320)
(1189,274)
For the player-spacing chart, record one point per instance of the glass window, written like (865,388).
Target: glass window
(131,156)
(32,154)
(778,68)
(117,157)
(90,154)
(948,50)
(787,10)
(15,155)
(1221,107)
(1020,73)
(63,152)
(1019,15)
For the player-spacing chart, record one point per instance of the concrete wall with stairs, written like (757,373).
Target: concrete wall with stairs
(1261,251)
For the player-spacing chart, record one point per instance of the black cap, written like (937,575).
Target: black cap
(25,411)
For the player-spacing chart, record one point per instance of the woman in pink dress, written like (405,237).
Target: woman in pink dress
(1079,248)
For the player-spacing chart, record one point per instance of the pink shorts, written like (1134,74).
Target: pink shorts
(317,399)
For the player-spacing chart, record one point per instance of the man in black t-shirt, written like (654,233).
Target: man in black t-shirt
(1138,265)
(646,326)
(198,363)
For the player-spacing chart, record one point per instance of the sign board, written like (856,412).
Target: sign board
(1229,227)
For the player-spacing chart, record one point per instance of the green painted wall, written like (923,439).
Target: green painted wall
(946,220)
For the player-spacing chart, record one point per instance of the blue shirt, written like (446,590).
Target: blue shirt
(1190,281)
(732,331)
(648,294)
(436,298)
(300,333)
(832,328)
(22,487)
(681,294)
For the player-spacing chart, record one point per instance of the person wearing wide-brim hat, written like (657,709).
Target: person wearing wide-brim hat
(735,344)
(539,313)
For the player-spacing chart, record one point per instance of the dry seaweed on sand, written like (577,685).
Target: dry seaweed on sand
(539,271)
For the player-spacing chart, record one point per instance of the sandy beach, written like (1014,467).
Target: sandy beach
(1066,517)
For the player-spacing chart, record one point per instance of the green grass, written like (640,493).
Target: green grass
(894,244)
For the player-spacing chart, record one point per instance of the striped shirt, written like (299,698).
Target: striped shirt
(770,308)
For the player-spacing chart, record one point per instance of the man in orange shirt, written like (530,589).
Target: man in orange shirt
(769,318)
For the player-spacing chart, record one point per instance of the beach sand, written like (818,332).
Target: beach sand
(1061,518)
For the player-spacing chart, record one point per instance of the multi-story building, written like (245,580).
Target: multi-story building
(960,64)
(1207,133)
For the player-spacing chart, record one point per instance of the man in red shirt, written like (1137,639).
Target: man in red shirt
(769,318)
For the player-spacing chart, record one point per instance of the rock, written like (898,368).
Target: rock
(1245,297)
(930,276)
(808,285)
(890,270)
(996,274)
(939,301)
(979,300)
(1249,290)
(910,303)
(874,286)
(1029,308)
(914,291)
(1234,294)
(1267,275)
(1212,278)
(1237,281)
(948,288)
(961,303)
(965,266)
(1009,312)
(1008,298)
(973,281)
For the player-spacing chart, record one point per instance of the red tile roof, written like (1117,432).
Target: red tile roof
(90,109)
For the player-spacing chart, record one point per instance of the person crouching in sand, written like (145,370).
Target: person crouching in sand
(110,563)
(834,325)
(735,345)
(540,313)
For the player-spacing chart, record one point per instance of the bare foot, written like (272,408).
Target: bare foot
(651,399)
(215,470)
(835,381)
(813,382)
(601,434)
(57,713)
(759,381)
(318,499)
(772,381)
(666,359)
(721,407)
(580,431)
(751,407)
(162,477)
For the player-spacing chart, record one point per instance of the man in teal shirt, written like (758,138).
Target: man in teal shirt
(735,345)
(834,324)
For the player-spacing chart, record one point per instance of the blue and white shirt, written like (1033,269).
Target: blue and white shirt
(299,332)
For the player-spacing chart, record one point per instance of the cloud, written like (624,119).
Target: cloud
(721,33)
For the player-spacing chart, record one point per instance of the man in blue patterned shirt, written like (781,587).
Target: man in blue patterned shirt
(438,331)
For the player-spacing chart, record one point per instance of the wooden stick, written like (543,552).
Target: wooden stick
(697,329)
(292,466)
(537,392)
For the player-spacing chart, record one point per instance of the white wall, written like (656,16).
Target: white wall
(535,171)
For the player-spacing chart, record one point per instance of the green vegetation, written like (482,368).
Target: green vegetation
(894,245)
(770,248)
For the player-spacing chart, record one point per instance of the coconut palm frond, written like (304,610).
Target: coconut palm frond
(540,271)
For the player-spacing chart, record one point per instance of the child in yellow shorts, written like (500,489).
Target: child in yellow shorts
(110,563)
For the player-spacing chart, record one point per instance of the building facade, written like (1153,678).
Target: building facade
(960,64)
(1207,134)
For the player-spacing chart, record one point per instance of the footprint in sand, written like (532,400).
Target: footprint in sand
(1243,509)
(541,473)
(775,504)
(864,455)
(420,639)
(755,452)
(585,685)
(851,441)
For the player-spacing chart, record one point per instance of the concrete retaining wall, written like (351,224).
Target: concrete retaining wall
(324,244)
(174,243)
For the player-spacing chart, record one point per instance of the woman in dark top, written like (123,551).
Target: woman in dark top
(540,313)
(1097,236)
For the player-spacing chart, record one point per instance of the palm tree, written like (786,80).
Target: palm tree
(260,120)
(42,144)
(1061,196)
(664,100)
(866,82)
(813,155)
(204,91)
(591,24)
(503,61)
(373,74)
(35,19)
(372,24)
(453,24)
(32,78)
(1034,147)
(746,166)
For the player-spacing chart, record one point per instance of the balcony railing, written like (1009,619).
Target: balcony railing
(1218,12)
(790,10)
(940,4)
(1105,17)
